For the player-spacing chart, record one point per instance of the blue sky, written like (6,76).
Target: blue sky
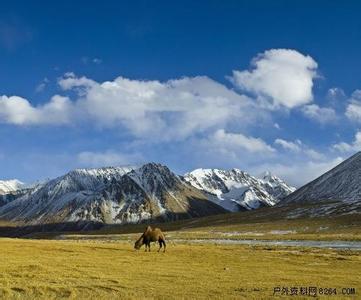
(257,85)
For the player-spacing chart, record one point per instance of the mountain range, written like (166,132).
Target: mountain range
(137,194)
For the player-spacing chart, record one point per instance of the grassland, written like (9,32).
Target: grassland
(102,264)
(45,269)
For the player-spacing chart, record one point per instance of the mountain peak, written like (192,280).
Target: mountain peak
(8,186)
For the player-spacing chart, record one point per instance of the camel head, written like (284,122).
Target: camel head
(138,243)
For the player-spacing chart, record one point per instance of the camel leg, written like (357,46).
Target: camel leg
(160,245)
(164,246)
(149,246)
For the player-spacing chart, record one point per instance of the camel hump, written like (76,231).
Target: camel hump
(159,232)
(149,228)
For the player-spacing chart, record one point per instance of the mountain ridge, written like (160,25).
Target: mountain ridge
(112,195)
(335,192)
(129,194)
(237,190)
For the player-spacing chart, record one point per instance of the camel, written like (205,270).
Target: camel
(151,235)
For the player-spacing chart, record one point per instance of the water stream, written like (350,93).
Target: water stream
(351,245)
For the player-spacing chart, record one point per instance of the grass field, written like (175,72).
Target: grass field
(102,264)
(48,269)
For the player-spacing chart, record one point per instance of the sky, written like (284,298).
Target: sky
(255,85)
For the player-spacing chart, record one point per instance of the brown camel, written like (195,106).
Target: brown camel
(151,235)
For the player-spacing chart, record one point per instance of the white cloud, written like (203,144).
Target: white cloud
(171,110)
(318,114)
(69,81)
(174,109)
(354,146)
(18,111)
(42,85)
(335,94)
(279,77)
(147,109)
(287,145)
(298,147)
(237,142)
(353,110)
(107,158)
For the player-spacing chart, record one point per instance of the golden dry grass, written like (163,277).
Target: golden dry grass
(46,269)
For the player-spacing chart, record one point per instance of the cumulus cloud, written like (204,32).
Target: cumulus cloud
(335,94)
(279,77)
(148,109)
(352,147)
(353,109)
(322,115)
(17,110)
(69,81)
(174,109)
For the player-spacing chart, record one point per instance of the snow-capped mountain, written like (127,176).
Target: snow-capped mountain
(236,190)
(111,195)
(338,191)
(275,186)
(9,186)
(10,190)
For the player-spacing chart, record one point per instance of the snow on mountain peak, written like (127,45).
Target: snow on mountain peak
(235,189)
(137,193)
(110,195)
(8,186)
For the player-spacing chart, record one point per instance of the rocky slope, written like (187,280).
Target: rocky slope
(338,191)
